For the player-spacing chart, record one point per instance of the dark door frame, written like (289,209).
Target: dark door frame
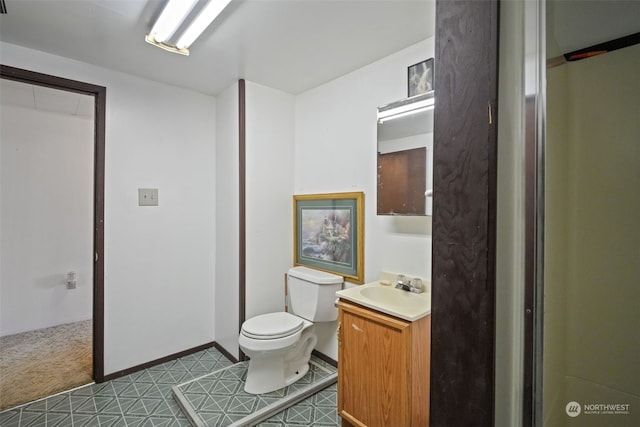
(99,93)
(242,208)
(464,213)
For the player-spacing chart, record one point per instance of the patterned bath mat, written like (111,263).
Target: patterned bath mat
(218,399)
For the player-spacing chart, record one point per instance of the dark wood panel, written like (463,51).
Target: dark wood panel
(463,279)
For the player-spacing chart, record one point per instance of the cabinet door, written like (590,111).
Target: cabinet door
(374,370)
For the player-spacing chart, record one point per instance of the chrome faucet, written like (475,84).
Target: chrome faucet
(411,285)
(415,286)
(400,283)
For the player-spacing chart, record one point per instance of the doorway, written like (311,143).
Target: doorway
(60,280)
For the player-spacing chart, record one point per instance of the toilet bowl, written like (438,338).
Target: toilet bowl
(279,347)
(279,344)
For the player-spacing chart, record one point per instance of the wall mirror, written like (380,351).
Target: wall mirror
(405,156)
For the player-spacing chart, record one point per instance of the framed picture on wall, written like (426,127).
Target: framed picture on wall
(420,77)
(329,233)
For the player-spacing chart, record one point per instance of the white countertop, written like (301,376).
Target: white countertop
(387,299)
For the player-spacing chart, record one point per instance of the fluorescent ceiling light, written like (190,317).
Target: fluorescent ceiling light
(404,114)
(180,20)
(405,108)
(173,14)
(206,17)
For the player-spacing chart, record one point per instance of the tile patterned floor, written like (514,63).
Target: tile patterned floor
(218,399)
(318,410)
(144,399)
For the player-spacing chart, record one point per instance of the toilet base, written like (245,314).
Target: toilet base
(269,373)
(267,376)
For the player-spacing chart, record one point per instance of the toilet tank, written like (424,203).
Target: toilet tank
(312,294)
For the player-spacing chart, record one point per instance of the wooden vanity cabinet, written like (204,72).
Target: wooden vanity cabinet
(383,368)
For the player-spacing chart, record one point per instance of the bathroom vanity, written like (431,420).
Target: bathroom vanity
(383,359)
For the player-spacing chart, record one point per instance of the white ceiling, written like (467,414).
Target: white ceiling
(46,99)
(291,45)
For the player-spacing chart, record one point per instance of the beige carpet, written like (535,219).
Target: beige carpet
(40,363)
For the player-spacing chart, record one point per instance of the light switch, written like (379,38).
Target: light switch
(147,197)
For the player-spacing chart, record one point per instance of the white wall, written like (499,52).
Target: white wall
(335,151)
(269,189)
(47,218)
(227,311)
(159,274)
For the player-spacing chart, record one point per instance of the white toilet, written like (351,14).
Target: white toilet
(279,345)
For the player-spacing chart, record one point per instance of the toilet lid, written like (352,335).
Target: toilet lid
(272,325)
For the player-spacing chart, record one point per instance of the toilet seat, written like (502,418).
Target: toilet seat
(272,326)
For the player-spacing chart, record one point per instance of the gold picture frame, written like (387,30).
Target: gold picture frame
(328,233)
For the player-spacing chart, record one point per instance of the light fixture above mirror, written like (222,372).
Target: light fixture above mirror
(406,107)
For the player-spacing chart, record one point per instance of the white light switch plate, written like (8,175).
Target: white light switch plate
(147,197)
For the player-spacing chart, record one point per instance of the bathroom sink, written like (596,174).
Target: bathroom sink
(391,296)
(387,299)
